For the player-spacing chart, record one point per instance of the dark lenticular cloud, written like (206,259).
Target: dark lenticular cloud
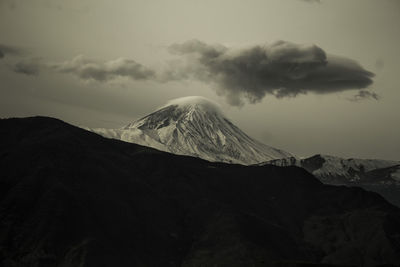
(103,71)
(281,69)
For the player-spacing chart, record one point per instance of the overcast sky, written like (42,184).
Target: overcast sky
(306,76)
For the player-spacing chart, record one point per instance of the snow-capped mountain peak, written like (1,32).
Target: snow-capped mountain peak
(195,126)
(195,102)
(191,108)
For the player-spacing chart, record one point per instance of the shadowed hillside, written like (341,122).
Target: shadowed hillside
(69,197)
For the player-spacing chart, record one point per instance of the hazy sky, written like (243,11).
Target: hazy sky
(305,76)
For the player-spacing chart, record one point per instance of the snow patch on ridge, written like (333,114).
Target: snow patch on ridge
(340,166)
(396,175)
(331,169)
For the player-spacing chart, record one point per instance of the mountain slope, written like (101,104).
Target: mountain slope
(342,171)
(195,126)
(381,176)
(69,197)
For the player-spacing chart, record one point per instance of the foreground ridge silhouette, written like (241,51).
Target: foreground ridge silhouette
(69,197)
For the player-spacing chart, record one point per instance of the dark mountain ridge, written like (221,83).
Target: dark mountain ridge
(69,197)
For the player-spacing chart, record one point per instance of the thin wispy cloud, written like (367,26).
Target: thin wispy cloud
(312,1)
(8,50)
(28,67)
(87,69)
(364,94)
(58,5)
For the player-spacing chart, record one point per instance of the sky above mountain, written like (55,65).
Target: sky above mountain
(306,76)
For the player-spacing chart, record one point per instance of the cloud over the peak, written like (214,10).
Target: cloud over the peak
(87,69)
(281,69)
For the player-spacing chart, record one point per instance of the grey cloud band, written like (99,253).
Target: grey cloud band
(281,69)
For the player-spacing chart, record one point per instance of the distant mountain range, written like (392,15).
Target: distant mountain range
(195,126)
(335,170)
(69,197)
(381,176)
